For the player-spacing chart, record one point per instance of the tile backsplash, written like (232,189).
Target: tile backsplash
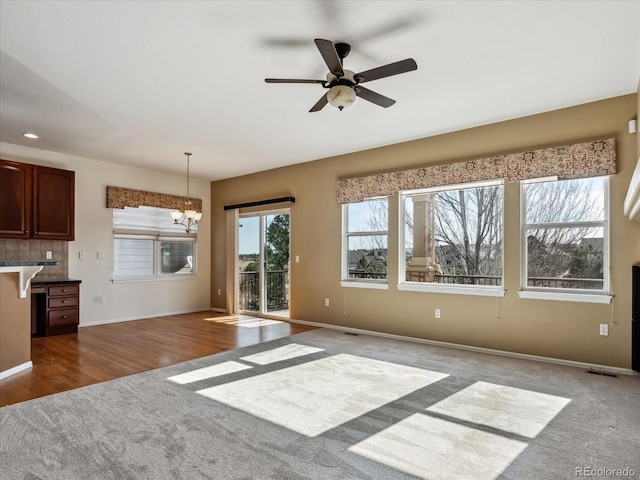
(18,249)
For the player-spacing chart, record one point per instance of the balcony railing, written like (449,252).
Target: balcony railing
(469,279)
(577,283)
(356,273)
(545,282)
(276,290)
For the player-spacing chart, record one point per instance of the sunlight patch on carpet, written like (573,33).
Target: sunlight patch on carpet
(208,372)
(286,352)
(514,410)
(320,395)
(432,448)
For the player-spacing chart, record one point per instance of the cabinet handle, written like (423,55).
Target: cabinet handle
(64,290)
(64,301)
(64,317)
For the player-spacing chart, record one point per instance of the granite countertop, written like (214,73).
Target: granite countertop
(38,280)
(27,263)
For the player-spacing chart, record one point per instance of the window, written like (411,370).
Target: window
(147,244)
(565,235)
(365,242)
(453,238)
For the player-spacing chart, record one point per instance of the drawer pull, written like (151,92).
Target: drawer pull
(64,301)
(64,316)
(64,290)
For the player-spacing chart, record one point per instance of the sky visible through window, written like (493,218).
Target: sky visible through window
(249,236)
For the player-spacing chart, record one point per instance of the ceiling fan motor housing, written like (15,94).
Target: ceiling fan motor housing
(347,79)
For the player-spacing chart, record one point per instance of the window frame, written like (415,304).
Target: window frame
(381,284)
(409,286)
(158,235)
(566,294)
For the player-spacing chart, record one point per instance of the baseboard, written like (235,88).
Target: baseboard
(16,369)
(142,317)
(458,346)
(219,310)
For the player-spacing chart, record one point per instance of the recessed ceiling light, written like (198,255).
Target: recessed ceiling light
(30,135)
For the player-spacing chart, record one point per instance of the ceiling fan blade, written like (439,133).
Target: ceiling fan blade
(292,80)
(285,42)
(389,70)
(330,56)
(374,97)
(386,29)
(320,104)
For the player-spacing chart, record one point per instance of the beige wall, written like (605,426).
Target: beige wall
(566,330)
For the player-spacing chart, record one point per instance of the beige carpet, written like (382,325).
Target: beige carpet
(326,405)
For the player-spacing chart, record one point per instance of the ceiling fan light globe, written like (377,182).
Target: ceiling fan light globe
(341,96)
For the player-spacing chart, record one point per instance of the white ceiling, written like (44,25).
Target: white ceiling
(141,82)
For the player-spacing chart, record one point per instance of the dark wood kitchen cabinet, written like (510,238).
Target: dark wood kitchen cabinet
(36,202)
(55,307)
(15,199)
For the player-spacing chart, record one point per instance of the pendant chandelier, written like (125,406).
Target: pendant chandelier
(189,217)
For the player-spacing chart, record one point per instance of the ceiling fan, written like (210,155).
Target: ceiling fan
(344,85)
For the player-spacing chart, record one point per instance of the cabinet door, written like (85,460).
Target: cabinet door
(53,203)
(15,199)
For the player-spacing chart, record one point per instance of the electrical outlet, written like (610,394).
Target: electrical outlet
(604,329)
(326,302)
(102,300)
(297,258)
(81,255)
(100,255)
(437,313)
(219,292)
(49,254)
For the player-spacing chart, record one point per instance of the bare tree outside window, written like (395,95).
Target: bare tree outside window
(565,231)
(454,235)
(366,239)
(468,233)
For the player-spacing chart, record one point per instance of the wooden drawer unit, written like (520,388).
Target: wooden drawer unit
(57,308)
(63,316)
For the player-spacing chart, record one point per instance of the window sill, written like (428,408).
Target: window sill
(456,290)
(566,297)
(377,286)
(152,279)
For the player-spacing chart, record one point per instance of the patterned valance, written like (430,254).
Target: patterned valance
(589,159)
(124,197)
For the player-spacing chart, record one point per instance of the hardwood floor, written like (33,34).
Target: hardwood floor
(104,352)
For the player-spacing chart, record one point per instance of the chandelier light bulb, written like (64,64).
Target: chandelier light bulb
(189,217)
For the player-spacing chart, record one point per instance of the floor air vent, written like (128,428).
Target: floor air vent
(353,334)
(602,372)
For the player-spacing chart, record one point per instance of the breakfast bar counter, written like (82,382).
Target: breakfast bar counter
(15,314)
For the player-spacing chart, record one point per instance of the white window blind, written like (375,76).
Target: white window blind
(148,221)
(147,243)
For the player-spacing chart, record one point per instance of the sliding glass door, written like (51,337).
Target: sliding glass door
(263,264)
